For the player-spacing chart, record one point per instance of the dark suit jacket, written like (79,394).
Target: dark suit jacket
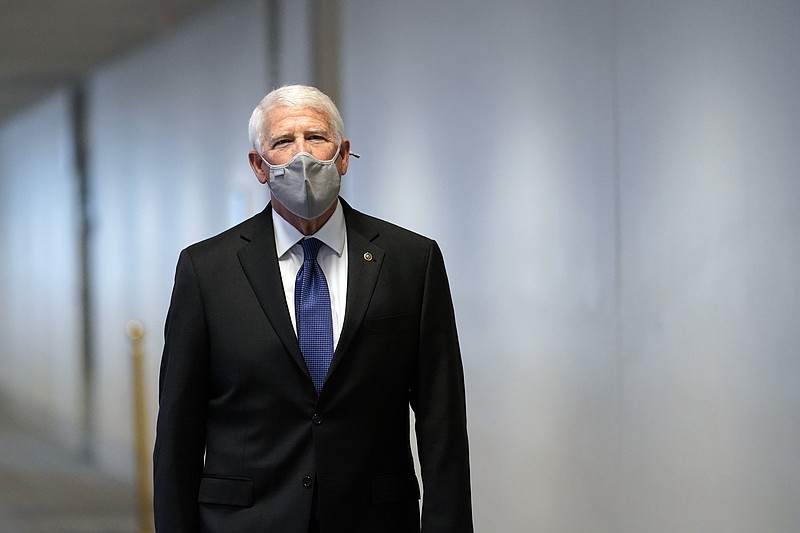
(242,439)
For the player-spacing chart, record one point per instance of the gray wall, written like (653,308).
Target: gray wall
(169,141)
(614,185)
(40,335)
(491,128)
(709,180)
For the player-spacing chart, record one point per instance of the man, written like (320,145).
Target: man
(295,343)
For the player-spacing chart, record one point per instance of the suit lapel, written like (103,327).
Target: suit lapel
(364,264)
(259,260)
(260,264)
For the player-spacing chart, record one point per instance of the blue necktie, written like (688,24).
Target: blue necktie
(313,312)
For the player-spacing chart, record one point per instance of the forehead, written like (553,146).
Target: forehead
(286,120)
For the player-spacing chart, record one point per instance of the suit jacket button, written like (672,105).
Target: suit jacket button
(316,419)
(307,482)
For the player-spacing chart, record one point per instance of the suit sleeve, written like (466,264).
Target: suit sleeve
(439,404)
(181,426)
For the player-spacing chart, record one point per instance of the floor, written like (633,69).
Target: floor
(47,489)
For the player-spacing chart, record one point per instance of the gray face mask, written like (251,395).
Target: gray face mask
(305,185)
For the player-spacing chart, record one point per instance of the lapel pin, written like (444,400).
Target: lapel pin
(367,256)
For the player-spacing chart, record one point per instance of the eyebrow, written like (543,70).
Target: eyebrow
(284,134)
(278,135)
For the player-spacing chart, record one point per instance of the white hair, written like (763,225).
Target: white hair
(296,96)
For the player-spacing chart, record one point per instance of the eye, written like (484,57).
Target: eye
(280,142)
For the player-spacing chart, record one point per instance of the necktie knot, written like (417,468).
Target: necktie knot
(310,248)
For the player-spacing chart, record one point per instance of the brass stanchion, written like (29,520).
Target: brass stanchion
(144,497)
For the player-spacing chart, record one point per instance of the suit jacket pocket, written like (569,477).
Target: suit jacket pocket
(236,491)
(388,325)
(395,488)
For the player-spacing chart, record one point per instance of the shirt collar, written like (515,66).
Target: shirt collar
(332,233)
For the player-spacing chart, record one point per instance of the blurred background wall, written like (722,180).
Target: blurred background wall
(615,186)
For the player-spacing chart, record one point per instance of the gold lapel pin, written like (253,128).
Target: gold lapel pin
(367,256)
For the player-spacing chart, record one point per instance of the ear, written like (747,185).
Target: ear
(344,152)
(260,168)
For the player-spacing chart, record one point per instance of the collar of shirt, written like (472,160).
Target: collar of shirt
(332,259)
(332,233)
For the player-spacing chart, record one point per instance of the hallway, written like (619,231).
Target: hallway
(46,489)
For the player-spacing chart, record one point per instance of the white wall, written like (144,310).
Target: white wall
(614,185)
(490,128)
(169,167)
(40,333)
(709,122)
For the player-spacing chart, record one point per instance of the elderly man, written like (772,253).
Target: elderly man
(295,343)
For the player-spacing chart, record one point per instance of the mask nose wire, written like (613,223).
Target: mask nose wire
(336,155)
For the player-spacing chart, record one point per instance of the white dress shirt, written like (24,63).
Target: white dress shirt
(332,258)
